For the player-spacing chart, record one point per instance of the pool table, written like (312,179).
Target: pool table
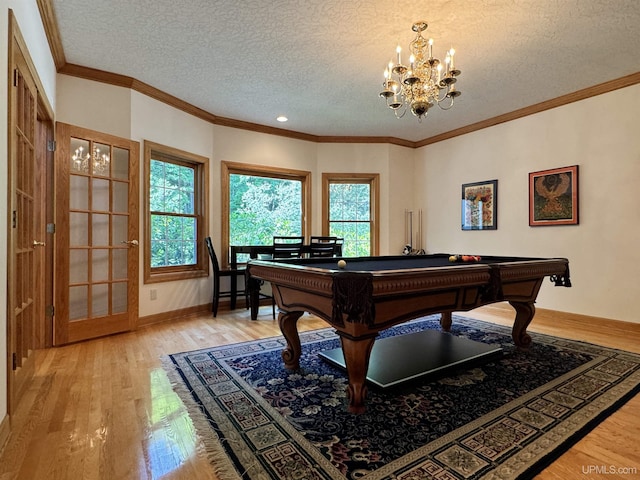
(371,294)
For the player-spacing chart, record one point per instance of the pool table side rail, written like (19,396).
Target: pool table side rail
(400,295)
(412,280)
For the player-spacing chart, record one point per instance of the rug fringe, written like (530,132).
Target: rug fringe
(208,444)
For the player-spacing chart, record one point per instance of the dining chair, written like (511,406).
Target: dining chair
(323,246)
(266,296)
(232,273)
(287,246)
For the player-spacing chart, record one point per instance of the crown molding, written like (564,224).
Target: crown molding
(52,32)
(583,94)
(55,44)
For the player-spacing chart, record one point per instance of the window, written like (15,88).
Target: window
(176,214)
(260,202)
(350,210)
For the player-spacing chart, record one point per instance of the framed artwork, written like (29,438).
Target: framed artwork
(480,205)
(553,197)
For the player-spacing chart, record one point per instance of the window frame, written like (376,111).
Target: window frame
(236,168)
(156,151)
(373,180)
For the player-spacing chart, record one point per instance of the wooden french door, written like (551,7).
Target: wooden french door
(97,185)
(25,299)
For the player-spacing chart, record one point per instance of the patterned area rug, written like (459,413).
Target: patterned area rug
(504,420)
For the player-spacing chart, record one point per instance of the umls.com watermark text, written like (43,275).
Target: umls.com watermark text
(608,470)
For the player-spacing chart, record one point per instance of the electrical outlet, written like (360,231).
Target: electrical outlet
(153,294)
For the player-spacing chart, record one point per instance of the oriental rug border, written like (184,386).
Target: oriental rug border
(257,420)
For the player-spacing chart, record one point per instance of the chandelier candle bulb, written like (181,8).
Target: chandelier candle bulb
(398,50)
(431,49)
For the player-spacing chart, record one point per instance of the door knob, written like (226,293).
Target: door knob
(130,242)
(38,244)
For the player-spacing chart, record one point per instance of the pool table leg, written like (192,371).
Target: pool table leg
(288,325)
(356,353)
(524,314)
(445,321)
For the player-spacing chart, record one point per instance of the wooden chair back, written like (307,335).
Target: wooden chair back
(324,246)
(287,246)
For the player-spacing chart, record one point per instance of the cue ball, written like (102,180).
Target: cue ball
(342,263)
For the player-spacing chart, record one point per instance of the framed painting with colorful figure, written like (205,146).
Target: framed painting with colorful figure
(553,197)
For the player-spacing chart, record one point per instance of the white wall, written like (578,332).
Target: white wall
(130,114)
(600,135)
(28,19)
(364,158)
(400,198)
(94,105)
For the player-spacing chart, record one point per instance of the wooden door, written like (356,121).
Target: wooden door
(25,299)
(96,264)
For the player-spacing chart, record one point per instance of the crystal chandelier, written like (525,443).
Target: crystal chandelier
(424,82)
(99,161)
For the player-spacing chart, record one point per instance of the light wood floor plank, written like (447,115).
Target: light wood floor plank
(105,408)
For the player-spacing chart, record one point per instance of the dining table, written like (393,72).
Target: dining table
(255,250)
(267,250)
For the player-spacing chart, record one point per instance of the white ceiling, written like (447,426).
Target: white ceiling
(320,62)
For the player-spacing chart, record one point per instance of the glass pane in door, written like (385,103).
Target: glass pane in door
(101,158)
(119,264)
(78,302)
(119,298)
(80,159)
(78,261)
(120,197)
(120,163)
(100,233)
(78,234)
(100,265)
(100,194)
(79,193)
(100,300)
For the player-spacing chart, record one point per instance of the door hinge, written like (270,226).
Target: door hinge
(15,361)
(50,310)
(14,221)
(51,228)
(15,77)
(51,145)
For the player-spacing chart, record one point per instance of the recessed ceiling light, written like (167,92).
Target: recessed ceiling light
(281,118)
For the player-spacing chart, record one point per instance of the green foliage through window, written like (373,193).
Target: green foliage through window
(261,207)
(173,215)
(350,217)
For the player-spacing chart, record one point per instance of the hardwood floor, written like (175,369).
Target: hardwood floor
(104,409)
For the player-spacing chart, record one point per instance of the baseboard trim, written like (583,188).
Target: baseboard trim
(182,313)
(549,317)
(174,315)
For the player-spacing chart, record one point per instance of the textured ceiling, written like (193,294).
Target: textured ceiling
(321,62)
